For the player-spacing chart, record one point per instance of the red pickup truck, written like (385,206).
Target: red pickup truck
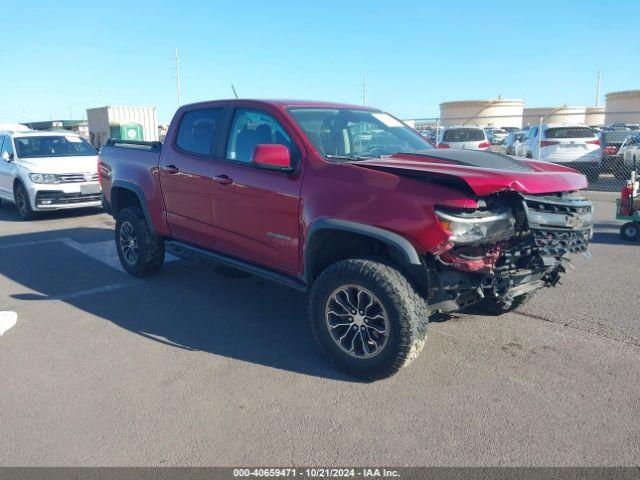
(352,205)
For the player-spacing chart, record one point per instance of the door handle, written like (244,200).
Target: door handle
(171,169)
(223,179)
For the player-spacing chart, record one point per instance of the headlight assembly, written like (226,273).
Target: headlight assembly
(43,178)
(479,226)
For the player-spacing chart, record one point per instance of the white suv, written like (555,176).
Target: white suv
(48,171)
(464,137)
(571,145)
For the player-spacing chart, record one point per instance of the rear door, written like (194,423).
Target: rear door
(256,211)
(186,175)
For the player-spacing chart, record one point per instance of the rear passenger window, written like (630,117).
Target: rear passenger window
(196,131)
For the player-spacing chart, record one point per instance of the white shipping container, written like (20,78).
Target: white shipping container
(101,120)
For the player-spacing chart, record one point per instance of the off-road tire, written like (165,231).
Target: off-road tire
(630,232)
(150,247)
(496,306)
(23,205)
(408,316)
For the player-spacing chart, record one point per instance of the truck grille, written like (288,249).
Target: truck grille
(559,224)
(77,177)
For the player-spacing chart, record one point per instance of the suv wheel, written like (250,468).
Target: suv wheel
(368,319)
(141,252)
(23,203)
(630,232)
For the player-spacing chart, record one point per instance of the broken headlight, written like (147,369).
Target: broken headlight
(478,226)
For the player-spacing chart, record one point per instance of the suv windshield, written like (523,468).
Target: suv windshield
(463,135)
(356,134)
(52,146)
(569,132)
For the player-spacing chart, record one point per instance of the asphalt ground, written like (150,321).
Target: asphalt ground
(201,365)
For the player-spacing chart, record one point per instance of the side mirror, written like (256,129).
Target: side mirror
(7,157)
(272,156)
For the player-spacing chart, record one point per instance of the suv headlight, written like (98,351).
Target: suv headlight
(43,177)
(478,226)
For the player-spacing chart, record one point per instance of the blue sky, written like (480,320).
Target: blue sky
(58,61)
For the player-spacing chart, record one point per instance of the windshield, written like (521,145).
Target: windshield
(52,146)
(356,134)
(615,137)
(463,135)
(569,132)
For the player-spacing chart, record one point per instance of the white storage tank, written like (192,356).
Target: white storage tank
(622,107)
(554,115)
(498,113)
(124,123)
(594,116)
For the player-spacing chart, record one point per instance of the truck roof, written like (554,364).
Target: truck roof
(284,103)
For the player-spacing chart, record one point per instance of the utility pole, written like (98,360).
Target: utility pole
(178,78)
(598,78)
(364,90)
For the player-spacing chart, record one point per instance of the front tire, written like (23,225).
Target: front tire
(367,318)
(630,232)
(23,202)
(141,252)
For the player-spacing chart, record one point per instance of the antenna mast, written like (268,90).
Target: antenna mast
(178,78)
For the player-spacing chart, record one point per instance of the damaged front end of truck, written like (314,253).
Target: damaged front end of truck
(511,245)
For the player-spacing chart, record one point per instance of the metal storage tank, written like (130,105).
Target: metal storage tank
(594,116)
(498,112)
(102,119)
(554,115)
(622,107)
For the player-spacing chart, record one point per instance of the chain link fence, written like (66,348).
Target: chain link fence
(604,146)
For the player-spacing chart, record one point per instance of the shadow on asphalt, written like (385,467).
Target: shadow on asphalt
(8,213)
(188,305)
(611,238)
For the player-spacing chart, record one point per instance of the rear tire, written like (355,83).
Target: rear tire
(630,232)
(23,202)
(141,252)
(389,326)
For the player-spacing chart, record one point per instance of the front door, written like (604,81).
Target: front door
(7,168)
(185,175)
(256,211)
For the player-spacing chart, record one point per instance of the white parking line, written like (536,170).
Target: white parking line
(34,242)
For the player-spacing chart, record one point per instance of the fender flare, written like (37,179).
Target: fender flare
(404,246)
(126,185)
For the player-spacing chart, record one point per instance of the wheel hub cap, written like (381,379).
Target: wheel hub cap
(357,321)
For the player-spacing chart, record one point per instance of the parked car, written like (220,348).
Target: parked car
(572,145)
(463,137)
(351,205)
(612,157)
(629,153)
(496,136)
(48,171)
(511,143)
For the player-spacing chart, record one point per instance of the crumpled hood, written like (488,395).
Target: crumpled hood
(484,172)
(73,164)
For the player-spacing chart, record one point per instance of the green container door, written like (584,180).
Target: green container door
(127,131)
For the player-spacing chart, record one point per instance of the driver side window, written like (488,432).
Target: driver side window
(251,128)
(6,146)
